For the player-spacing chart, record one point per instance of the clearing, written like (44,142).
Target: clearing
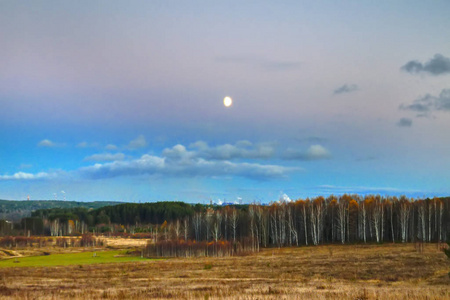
(387,271)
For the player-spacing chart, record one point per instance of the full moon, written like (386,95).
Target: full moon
(227,101)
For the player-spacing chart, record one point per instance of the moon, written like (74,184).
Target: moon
(227,101)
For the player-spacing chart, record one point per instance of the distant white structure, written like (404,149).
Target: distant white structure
(284,198)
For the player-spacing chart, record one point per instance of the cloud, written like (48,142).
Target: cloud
(314,152)
(111,147)
(50,144)
(24,176)
(362,190)
(443,101)
(404,122)
(260,63)
(87,145)
(82,145)
(179,154)
(429,103)
(147,164)
(437,65)
(241,150)
(312,139)
(182,165)
(346,88)
(105,157)
(200,160)
(137,143)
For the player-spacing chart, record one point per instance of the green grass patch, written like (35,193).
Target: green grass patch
(82,258)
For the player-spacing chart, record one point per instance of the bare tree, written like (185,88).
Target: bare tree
(217,223)
(342,216)
(234,222)
(421,220)
(305,223)
(404,218)
(293,236)
(197,223)
(186,228)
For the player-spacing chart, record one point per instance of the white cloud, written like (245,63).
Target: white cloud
(178,162)
(24,176)
(241,150)
(317,152)
(105,157)
(314,152)
(284,198)
(49,143)
(212,162)
(137,143)
(147,164)
(200,145)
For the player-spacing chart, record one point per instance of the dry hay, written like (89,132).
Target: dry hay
(323,272)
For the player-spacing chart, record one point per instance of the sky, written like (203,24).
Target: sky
(123,100)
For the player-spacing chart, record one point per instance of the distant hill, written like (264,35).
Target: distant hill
(14,210)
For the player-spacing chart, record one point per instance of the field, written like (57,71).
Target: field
(396,271)
(64,259)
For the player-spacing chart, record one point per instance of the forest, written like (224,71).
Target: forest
(14,210)
(334,219)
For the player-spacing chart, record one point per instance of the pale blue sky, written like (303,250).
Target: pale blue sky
(114,100)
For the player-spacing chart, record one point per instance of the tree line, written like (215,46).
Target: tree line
(14,210)
(334,219)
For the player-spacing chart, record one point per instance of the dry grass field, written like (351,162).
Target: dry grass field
(123,243)
(323,272)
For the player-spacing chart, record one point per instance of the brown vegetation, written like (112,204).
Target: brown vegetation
(320,272)
(85,240)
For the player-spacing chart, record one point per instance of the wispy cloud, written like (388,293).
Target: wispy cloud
(24,176)
(312,140)
(50,144)
(25,166)
(85,144)
(314,152)
(241,150)
(404,122)
(362,190)
(111,147)
(346,88)
(428,103)
(438,65)
(105,157)
(137,143)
